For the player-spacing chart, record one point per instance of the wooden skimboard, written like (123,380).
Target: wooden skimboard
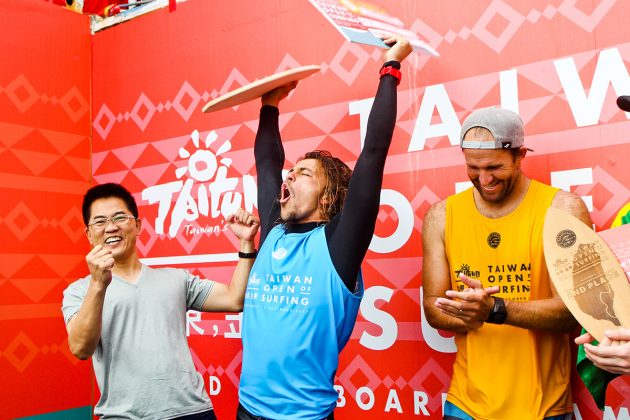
(586,274)
(259,88)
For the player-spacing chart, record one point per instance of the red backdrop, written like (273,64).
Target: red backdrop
(44,170)
(561,65)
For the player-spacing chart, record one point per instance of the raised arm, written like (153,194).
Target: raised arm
(269,155)
(350,233)
(84,329)
(229,298)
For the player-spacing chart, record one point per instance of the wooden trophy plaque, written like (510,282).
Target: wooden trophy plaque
(586,274)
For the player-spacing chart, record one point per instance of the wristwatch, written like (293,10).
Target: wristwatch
(498,314)
(251,255)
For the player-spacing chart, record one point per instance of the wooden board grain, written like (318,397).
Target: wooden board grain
(258,88)
(586,274)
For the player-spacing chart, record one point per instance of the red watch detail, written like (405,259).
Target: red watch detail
(393,71)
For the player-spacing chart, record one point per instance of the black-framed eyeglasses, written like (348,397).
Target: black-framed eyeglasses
(118,219)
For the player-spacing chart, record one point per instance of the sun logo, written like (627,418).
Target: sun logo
(207,192)
(202,163)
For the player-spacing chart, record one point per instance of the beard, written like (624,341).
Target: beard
(289,216)
(504,193)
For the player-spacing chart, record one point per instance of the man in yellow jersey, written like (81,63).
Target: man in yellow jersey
(485,279)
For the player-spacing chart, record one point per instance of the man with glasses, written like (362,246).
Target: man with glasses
(132,318)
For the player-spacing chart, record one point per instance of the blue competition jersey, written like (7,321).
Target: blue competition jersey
(298,316)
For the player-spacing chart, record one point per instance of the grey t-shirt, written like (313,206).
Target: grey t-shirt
(142,363)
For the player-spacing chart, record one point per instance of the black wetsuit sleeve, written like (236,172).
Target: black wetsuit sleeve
(349,233)
(269,155)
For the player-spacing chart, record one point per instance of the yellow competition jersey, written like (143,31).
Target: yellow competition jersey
(500,371)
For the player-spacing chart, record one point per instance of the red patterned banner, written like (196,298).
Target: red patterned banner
(561,67)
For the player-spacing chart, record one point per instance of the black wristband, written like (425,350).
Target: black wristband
(247,254)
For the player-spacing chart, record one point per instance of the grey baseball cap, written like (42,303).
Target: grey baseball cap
(505,126)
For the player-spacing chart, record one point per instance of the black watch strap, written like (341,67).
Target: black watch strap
(247,254)
(498,314)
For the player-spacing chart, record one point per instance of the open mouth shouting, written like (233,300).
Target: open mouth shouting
(285,193)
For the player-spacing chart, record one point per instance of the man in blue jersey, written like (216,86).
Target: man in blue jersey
(305,288)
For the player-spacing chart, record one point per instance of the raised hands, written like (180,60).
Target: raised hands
(244,225)
(100,261)
(472,305)
(399,49)
(274,97)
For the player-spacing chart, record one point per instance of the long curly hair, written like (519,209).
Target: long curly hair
(337,180)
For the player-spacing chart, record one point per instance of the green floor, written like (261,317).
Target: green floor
(81,413)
